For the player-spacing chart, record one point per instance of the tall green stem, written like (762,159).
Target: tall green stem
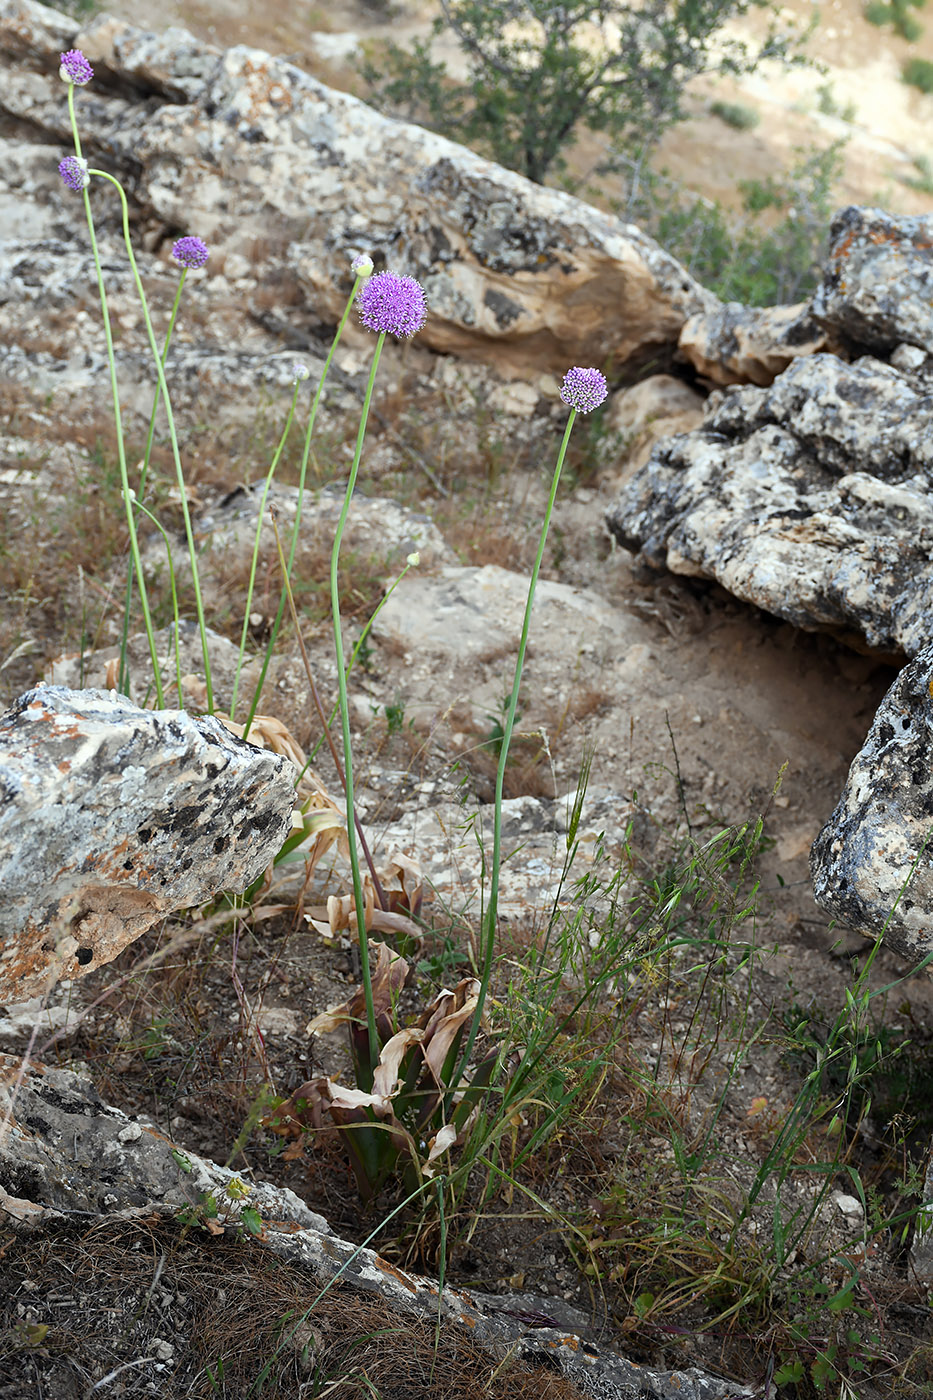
(302,475)
(345,716)
(491,920)
(255,560)
(150,436)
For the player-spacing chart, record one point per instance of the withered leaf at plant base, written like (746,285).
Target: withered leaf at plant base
(446,1016)
(339,915)
(388,978)
(442,1141)
(387,1076)
(409,897)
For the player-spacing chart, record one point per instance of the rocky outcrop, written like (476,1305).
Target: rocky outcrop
(62,1150)
(737,344)
(810,499)
(269,165)
(112,817)
(877,287)
(872,865)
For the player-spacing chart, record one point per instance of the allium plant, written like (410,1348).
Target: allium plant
(398,1122)
(418,1091)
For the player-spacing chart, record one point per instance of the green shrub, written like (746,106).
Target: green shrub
(758,260)
(918,72)
(898,15)
(828,103)
(736,114)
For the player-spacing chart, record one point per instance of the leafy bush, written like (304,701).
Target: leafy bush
(538,72)
(736,114)
(750,260)
(918,72)
(898,15)
(830,106)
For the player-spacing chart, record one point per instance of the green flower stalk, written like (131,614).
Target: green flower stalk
(390,305)
(361,266)
(582,391)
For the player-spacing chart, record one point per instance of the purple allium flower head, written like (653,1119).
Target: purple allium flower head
(75,68)
(190,252)
(300,372)
(391,303)
(73,171)
(583,389)
(362,265)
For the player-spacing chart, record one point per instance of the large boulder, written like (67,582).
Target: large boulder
(267,163)
(810,499)
(111,817)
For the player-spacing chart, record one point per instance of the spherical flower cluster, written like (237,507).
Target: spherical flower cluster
(190,252)
(300,372)
(73,171)
(362,265)
(392,304)
(583,389)
(75,68)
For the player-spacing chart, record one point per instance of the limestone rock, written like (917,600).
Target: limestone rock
(113,817)
(232,144)
(657,407)
(877,288)
(810,499)
(737,344)
(377,528)
(65,1150)
(862,860)
(477,613)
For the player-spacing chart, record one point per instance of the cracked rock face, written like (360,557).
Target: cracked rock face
(810,499)
(111,817)
(883,823)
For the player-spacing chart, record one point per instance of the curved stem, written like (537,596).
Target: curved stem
(118,421)
(163,388)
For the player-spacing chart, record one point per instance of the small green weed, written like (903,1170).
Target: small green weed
(395,716)
(897,14)
(736,114)
(918,73)
(830,106)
